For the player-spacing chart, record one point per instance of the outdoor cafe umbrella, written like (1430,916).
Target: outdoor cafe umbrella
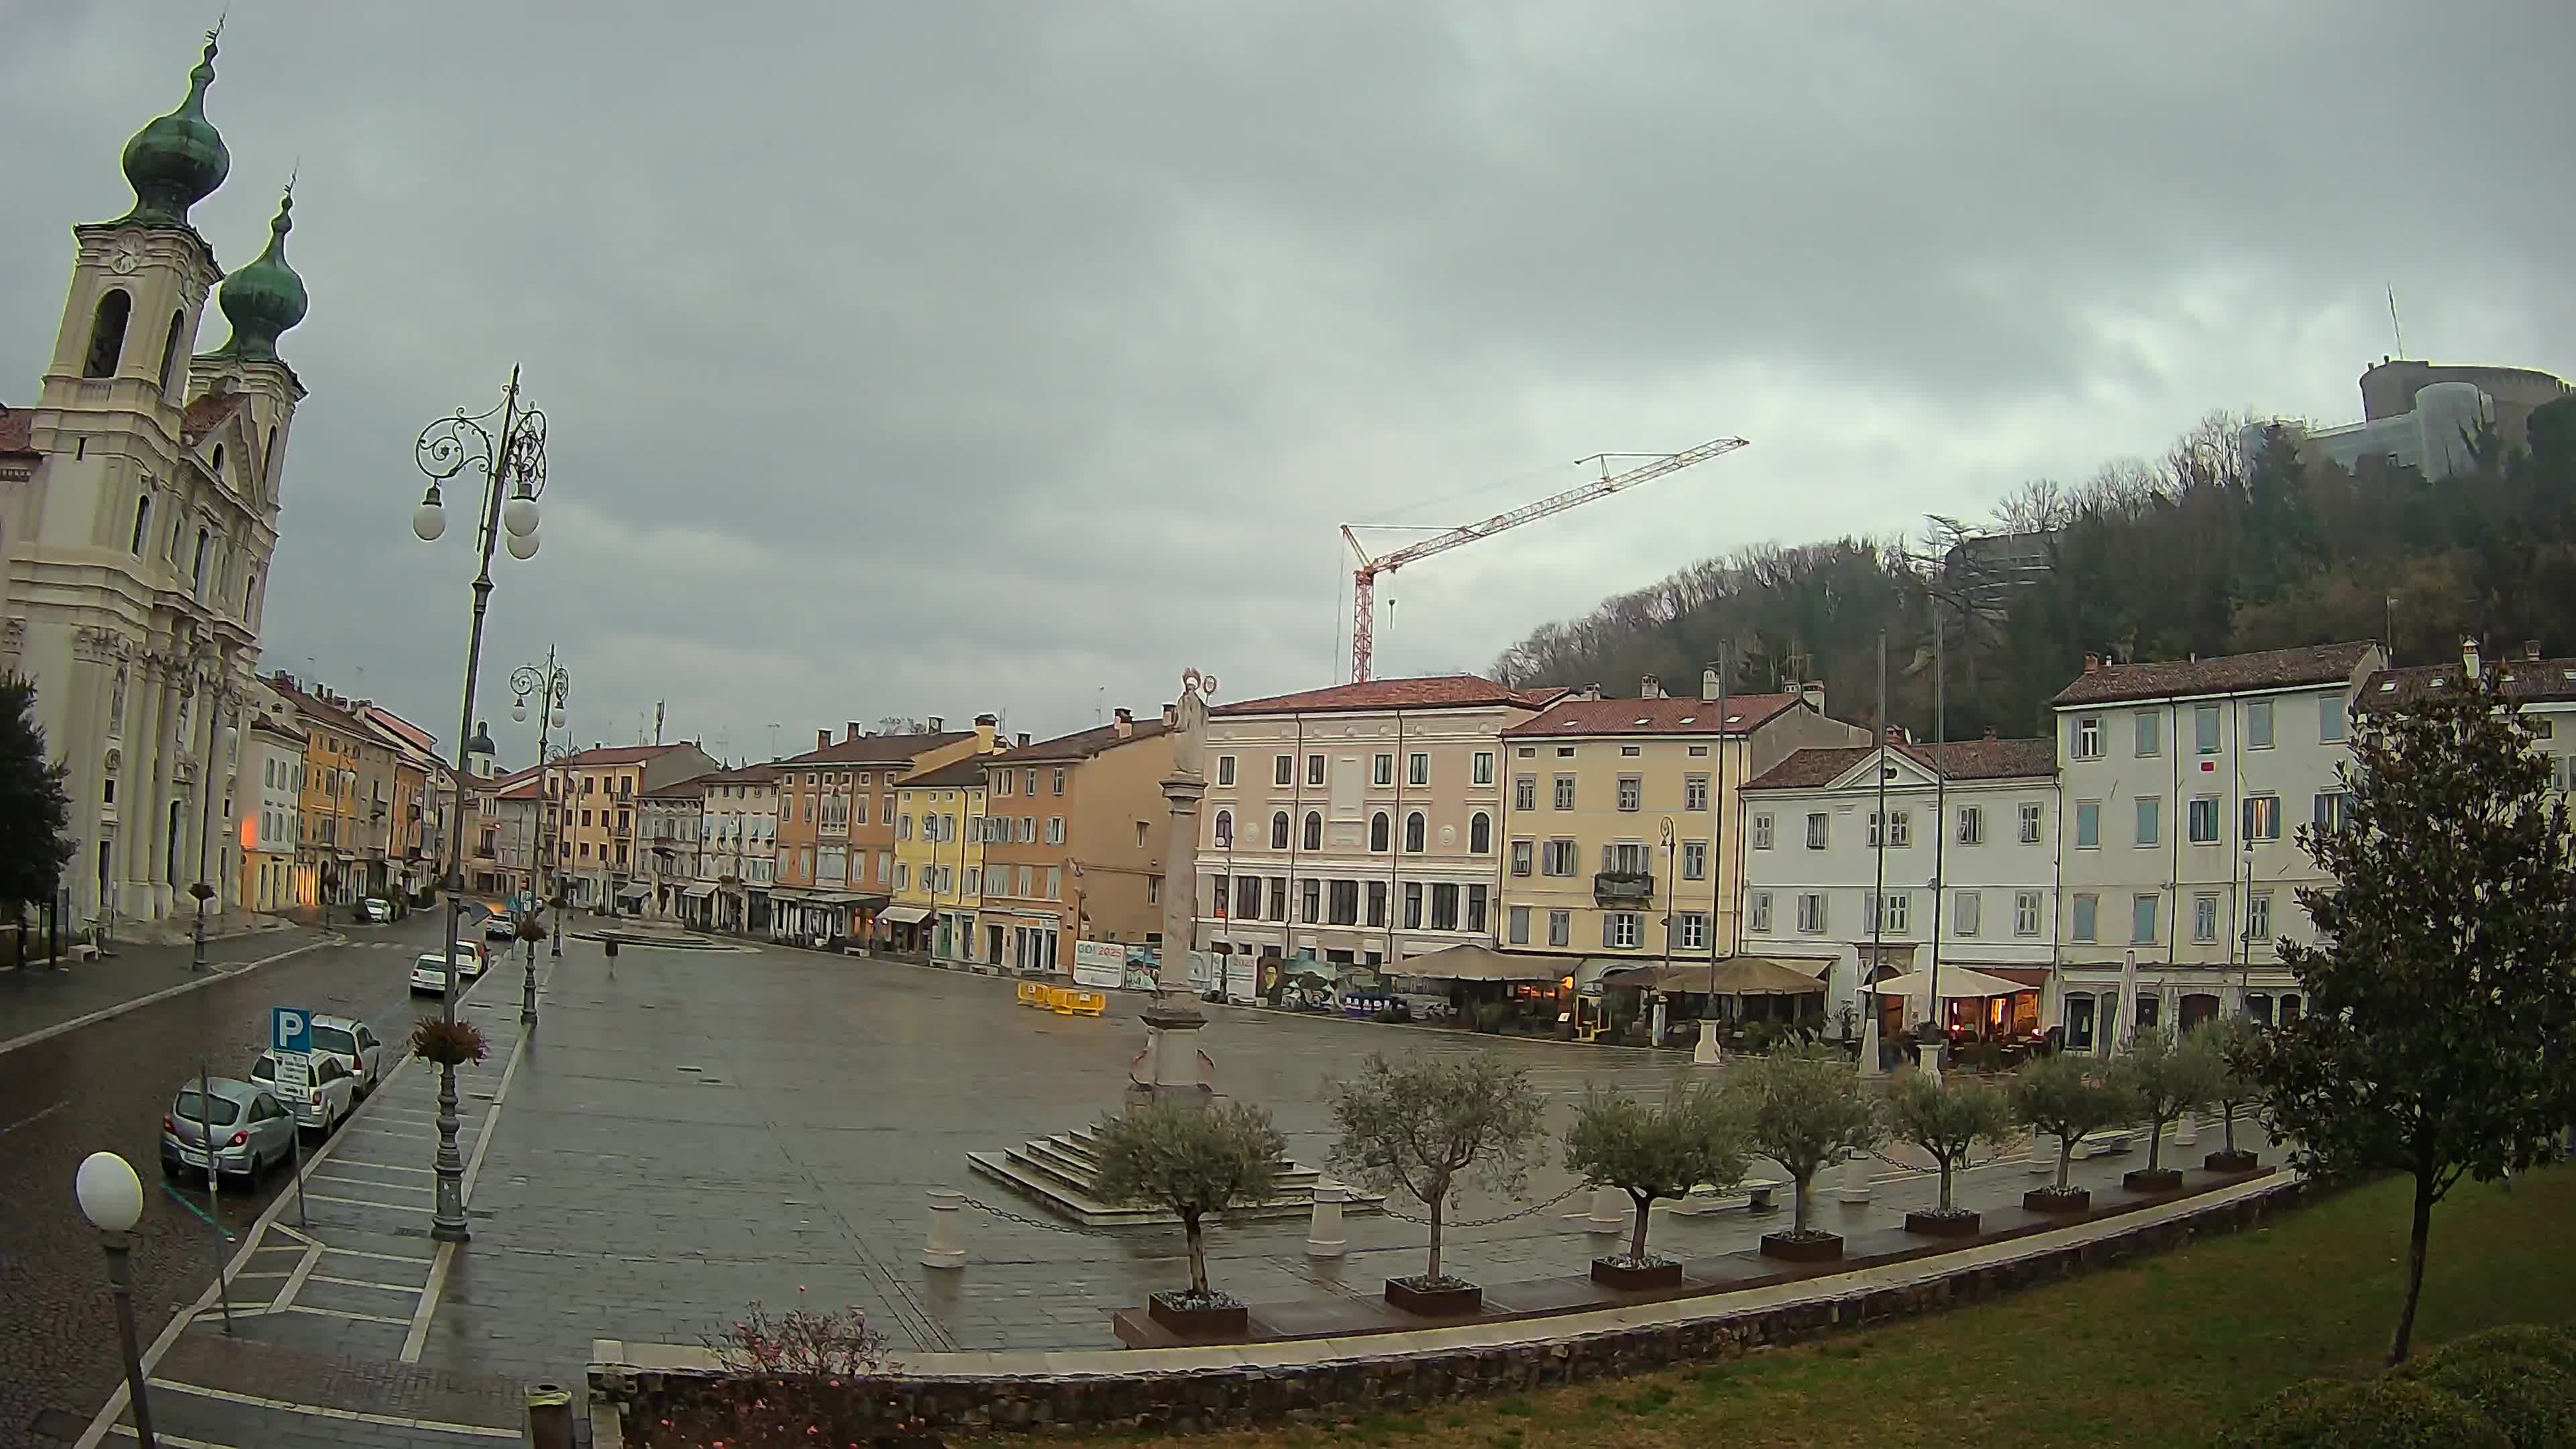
(1956,982)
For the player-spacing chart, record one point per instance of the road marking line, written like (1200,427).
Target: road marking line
(367,1283)
(175,1441)
(140,1002)
(340,1313)
(391,1207)
(380,1257)
(295,1281)
(326,1411)
(371,1182)
(386,1166)
(35,1117)
(427,1308)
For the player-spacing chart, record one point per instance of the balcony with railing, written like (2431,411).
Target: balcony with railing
(1623,887)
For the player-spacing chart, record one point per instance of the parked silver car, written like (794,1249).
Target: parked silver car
(328,1102)
(354,1043)
(252,1132)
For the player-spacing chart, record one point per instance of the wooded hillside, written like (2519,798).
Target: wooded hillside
(2216,548)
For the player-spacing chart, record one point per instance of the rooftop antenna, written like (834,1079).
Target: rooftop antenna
(2393,325)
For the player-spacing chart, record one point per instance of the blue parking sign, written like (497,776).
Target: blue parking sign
(290,1029)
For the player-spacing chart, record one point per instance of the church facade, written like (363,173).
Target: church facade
(139,503)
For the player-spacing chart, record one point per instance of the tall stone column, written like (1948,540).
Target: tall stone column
(1172,1064)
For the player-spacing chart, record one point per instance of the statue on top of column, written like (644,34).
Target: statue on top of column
(1189,729)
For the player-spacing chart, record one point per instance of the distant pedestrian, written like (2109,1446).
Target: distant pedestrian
(610,943)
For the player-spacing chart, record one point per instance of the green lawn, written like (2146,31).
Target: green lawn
(2160,1352)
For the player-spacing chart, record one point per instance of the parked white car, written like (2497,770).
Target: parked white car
(325,1105)
(355,1044)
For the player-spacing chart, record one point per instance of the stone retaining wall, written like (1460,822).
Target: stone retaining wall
(1195,1400)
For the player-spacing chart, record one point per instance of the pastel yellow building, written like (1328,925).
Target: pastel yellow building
(938,859)
(1621,824)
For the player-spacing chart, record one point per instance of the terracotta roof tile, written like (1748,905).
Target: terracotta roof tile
(618,754)
(966,773)
(2226,674)
(877,749)
(1440,691)
(207,413)
(1959,759)
(760,774)
(2528,680)
(1080,745)
(1568,717)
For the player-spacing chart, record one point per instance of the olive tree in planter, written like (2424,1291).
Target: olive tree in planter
(2234,1041)
(2060,1096)
(1946,1117)
(1695,1136)
(1424,1127)
(2163,1077)
(1193,1160)
(1807,1111)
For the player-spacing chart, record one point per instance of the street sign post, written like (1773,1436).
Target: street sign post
(290,1040)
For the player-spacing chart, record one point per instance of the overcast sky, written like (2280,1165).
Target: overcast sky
(932,359)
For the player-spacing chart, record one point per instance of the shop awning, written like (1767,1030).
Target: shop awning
(905,915)
(1735,976)
(634,892)
(1478,963)
(1956,981)
(698,890)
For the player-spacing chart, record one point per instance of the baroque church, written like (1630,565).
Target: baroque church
(138,511)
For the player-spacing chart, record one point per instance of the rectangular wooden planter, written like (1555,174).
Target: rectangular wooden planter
(1787,1249)
(1223,1320)
(1435,1302)
(2050,1200)
(2239,1161)
(1934,1225)
(2152,1179)
(1611,1273)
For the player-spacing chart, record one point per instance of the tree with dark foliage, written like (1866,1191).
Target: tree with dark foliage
(2442,988)
(35,814)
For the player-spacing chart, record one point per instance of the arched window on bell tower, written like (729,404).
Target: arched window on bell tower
(107,333)
(170,382)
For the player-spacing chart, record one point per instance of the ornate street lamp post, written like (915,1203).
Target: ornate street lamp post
(551,686)
(513,464)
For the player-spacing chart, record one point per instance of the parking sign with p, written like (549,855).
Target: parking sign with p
(290,1029)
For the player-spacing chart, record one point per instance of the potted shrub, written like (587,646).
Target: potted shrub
(2234,1041)
(1422,1128)
(1695,1136)
(447,1043)
(1946,1117)
(2163,1077)
(1192,1160)
(2058,1096)
(1807,1111)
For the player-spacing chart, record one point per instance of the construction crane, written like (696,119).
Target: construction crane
(1364,578)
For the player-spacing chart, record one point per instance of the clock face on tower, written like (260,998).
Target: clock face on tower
(127,255)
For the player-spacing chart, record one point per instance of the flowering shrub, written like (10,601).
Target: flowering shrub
(447,1043)
(799,1377)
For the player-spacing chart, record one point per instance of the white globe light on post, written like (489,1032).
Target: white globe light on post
(111,1197)
(519,515)
(558,718)
(519,711)
(523,545)
(429,520)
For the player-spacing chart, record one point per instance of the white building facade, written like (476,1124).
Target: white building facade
(738,850)
(139,500)
(272,768)
(2184,785)
(1292,856)
(1963,873)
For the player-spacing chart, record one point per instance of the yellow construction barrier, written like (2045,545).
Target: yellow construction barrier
(1062,1000)
(1032,994)
(1087,1003)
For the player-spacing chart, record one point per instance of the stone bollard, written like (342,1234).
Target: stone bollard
(549,1417)
(947,1245)
(1324,1228)
(1610,1210)
(1856,1186)
(2187,1131)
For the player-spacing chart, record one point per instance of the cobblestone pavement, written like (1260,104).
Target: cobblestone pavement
(105,1085)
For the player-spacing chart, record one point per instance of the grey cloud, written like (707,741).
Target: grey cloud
(910,360)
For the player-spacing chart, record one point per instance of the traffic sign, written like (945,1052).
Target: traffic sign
(290,1029)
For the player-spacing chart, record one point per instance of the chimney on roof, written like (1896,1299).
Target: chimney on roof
(1021,739)
(1590,691)
(986,727)
(822,738)
(1813,692)
(1650,687)
(1896,734)
(2469,656)
(2531,649)
(1171,715)
(1124,722)
(2092,663)
(1708,685)
(850,731)
(937,724)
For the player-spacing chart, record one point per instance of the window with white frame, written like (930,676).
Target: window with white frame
(1966,909)
(1972,824)
(2204,918)
(1564,792)
(2150,732)
(1632,792)
(2204,729)
(1055,830)
(2151,819)
(1560,928)
(2262,817)
(2333,724)
(2025,913)
(1225,769)
(2258,724)
(1694,860)
(2203,822)
(1283,769)
(1694,792)
(1524,854)
(1900,827)
(2086,913)
(1622,930)
(1480,833)
(1314,769)
(1519,926)
(2086,743)
(2258,919)
(1694,930)
(1417,768)
(1382,769)
(1481,768)
(1762,832)
(1811,913)
(2031,821)
(2142,919)
(1819,829)
(2088,824)
(1556,857)
(1757,912)
(1525,792)
(2330,808)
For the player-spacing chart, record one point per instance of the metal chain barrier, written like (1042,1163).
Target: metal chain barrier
(1027,1222)
(1536,1207)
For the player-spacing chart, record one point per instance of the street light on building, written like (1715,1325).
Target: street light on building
(513,465)
(111,1197)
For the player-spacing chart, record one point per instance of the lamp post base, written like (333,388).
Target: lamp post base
(1705,1054)
(1171,1067)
